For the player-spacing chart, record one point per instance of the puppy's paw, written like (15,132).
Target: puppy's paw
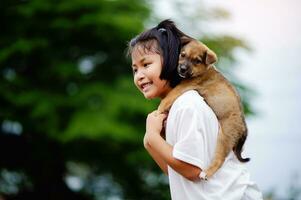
(203,176)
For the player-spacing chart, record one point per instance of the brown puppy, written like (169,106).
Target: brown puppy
(195,66)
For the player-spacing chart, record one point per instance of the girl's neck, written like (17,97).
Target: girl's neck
(168,89)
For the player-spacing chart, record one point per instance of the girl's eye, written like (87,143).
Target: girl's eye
(134,71)
(146,64)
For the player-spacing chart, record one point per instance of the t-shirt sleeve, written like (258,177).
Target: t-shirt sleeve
(190,135)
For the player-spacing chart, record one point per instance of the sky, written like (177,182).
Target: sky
(272,28)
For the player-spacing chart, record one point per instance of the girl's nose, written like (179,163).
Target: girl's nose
(140,74)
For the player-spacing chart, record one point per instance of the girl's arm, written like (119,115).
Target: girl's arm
(163,151)
(157,158)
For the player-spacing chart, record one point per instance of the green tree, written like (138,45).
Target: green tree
(62,64)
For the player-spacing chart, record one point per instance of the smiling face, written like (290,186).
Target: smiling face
(147,66)
(194,59)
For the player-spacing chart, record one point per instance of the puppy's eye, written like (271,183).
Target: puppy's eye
(198,61)
(183,54)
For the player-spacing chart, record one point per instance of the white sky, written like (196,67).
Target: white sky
(273,29)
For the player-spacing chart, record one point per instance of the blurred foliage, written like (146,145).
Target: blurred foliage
(72,121)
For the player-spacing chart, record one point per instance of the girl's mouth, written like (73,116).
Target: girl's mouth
(145,86)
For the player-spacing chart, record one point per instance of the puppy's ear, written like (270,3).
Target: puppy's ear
(210,57)
(185,40)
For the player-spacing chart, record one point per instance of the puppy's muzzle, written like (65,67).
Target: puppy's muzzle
(183,71)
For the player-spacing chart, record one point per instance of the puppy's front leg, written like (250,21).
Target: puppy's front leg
(166,103)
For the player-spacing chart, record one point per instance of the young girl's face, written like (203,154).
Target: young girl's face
(147,66)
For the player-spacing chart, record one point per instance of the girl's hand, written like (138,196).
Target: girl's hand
(154,125)
(154,122)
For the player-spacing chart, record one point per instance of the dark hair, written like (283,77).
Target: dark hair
(167,39)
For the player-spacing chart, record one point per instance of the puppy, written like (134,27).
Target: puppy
(196,67)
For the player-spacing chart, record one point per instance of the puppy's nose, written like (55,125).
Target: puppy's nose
(183,68)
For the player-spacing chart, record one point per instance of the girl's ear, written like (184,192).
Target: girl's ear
(185,40)
(210,57)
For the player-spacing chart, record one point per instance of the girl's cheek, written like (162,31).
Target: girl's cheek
(136,81)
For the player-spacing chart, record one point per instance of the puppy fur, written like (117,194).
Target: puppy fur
(196,67)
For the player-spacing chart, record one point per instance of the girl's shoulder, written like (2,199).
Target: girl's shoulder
(191,102)
(189,99)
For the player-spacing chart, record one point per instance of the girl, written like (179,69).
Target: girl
(191,126)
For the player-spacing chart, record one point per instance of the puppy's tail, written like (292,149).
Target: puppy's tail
(238,149)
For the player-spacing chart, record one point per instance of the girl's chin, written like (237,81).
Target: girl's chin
(149,95)
(152,94)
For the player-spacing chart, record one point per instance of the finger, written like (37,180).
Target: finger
(166,112)
(163,116)
(164,122)
(155,113)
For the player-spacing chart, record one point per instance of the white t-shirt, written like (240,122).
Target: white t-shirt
(192,130)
